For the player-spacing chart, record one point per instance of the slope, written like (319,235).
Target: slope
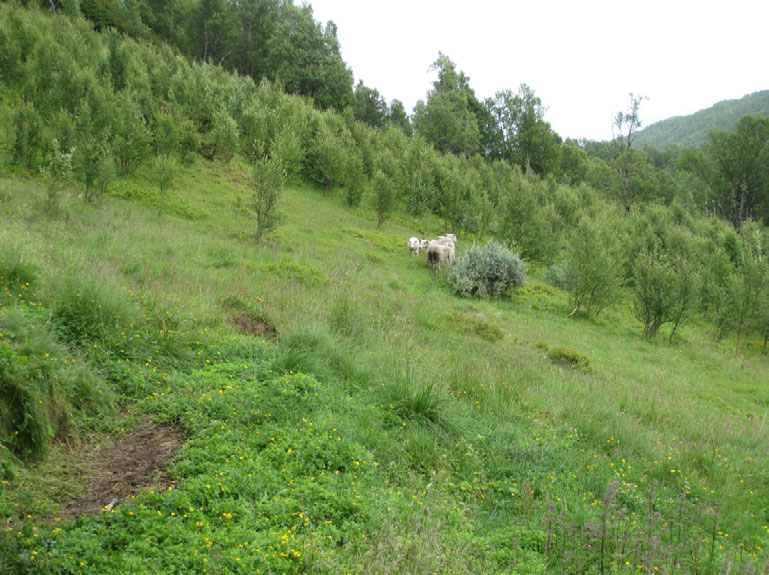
(390,427)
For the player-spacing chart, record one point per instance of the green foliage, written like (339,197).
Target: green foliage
(58,171)
(383,198)
(326,156)
(654,277)
(486,271)
(522,137)
(593,265)
(267,179)
(165,172)
(18,275)
(449,120)
(28,141)
(525,220)
(418,403)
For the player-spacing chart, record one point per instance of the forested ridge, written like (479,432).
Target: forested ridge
(228,139)
(693,130)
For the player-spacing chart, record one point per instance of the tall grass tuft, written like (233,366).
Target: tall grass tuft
(314,350)
(40,391)
(85,309)
(419,403)
(17,275)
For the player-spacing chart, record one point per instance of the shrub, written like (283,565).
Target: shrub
(487,271)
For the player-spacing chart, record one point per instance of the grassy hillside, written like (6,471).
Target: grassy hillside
(693,130)
(368,421)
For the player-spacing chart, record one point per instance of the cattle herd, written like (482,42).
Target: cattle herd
(438,251)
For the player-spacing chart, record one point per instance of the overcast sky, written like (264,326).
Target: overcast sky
(581,57)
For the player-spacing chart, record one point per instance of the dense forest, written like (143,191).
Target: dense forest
(104,100)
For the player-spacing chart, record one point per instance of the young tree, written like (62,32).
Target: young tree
(397,116)
(165,171)
(267,179)
(593,265)
(370,107)
(625,160)
(685,287)
(653,291)
(384,196)
(57,172)
(752,276)
(740,157)
(325,161)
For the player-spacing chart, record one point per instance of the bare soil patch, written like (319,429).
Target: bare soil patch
(135,462)
(250,325)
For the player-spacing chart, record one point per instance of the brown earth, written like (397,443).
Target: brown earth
(257,326)
(134,463)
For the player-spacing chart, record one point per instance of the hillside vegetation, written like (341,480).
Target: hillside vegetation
(693,130)
(185,247)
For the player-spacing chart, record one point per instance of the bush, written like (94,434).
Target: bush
(487,271)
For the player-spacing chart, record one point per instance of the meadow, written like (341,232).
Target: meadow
(344,412)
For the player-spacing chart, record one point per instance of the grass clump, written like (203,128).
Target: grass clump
(41,391)
(86,310)
(420,403)
(566,356)
(487,272)
(17,275)
(248,317)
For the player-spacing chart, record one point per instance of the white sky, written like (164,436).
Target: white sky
(581,57)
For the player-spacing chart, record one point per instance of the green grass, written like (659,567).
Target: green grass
(380,424)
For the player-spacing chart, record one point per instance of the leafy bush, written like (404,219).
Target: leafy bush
(487,271)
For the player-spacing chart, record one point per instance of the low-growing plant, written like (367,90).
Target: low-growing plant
(487,272)
(565,356)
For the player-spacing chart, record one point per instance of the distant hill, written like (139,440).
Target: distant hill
(693,130)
